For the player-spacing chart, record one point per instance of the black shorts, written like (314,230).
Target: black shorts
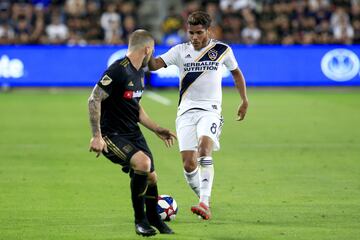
(121,149)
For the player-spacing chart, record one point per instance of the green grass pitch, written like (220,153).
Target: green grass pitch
(291,170)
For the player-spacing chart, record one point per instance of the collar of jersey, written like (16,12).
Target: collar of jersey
(210,42)
(204,50)
(132,66)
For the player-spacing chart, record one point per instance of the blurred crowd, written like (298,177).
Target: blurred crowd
(82,22)
(73,22)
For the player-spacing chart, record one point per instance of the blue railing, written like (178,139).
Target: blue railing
(34,66)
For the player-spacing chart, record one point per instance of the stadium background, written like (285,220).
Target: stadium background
(291,170)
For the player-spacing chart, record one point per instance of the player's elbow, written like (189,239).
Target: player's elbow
(141,117)
(90,100)
(156,64)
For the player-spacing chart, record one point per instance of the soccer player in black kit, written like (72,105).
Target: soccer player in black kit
(115,111)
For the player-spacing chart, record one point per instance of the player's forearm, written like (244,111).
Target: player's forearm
(94,114)
(240,84)
(146,121)
(152,64)
(94,105)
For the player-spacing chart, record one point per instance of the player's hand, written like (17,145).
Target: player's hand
(242,110)
(166,135)
(97,144)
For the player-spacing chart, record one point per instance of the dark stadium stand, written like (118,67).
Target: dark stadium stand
(89,22)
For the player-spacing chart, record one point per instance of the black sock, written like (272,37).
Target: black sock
(138,187)
(151,199)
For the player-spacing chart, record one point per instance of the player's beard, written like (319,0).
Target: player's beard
(146,60)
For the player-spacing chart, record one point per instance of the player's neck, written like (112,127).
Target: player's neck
(205,45)
(135,59)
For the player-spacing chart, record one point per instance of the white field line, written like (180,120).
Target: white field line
(300,145)
(158,98)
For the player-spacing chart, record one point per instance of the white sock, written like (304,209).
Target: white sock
(193,179)
(206,178)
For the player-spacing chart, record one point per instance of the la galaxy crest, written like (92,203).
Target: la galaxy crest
(212,54)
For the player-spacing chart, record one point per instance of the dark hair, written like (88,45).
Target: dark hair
(199,18)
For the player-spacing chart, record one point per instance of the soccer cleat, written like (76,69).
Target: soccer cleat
(157,222)
(144,229)
(202,210)
(162,227)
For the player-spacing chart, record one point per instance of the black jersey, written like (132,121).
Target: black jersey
(120,111)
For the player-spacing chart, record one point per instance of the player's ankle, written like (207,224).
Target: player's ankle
(205,200)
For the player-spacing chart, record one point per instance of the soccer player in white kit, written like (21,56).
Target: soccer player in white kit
(199,120)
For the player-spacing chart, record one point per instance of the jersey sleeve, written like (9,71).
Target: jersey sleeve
(172,56)
(110,79)
(230,60)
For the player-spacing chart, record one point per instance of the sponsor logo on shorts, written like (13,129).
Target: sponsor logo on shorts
(128,148)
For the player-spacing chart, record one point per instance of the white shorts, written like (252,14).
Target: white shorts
(193,124)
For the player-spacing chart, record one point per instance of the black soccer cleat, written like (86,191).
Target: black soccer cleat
(161,226)
(144,229)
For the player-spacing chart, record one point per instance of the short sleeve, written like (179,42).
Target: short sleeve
(171,57)
(230,60)
(110,79)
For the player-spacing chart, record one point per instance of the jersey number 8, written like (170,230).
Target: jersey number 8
(213,128)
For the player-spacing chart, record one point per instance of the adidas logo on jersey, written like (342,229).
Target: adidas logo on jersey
(131,84)
(188,56)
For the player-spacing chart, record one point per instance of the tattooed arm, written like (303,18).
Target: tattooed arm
(97,144)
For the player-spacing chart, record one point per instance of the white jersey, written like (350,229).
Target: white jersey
(200,74)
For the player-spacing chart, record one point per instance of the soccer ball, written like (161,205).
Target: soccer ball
(167,207)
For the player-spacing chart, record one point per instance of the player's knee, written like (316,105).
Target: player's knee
(143,165)
(152,178)
(140,162)
(189,160)
(190,165)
